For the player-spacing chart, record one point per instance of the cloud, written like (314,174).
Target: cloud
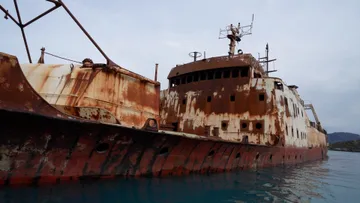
(172,44)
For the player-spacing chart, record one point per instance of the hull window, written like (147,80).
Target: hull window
(261,97)
(232,97)
(224,125)
(216,132)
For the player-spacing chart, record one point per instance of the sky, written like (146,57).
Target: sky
(316,43)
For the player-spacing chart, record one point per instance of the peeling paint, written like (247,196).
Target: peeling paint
(97,94)
(92,122)
(224,102)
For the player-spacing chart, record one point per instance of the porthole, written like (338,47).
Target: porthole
(164,151)
(102,147)
(257,156)
(258,126)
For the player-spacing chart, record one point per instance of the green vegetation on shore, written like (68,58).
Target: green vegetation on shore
(350,146)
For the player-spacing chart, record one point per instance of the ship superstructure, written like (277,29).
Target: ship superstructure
(233,98)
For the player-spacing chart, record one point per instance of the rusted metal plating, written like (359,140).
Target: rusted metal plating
(100,120)
(232,98)
(106,94)
(51,146)
(17,95)
(52,151)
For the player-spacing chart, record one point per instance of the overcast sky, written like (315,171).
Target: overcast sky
(316,43)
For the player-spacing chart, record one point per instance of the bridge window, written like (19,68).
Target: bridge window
(279,85)
(189,78)
(177,81)
(286,101)
(234,73)
(244,72)
(218,74)
(210,75)
(208,99)
(202,75)
(196,77)
(287,133)
(226,73)
(183,80)
(172,83)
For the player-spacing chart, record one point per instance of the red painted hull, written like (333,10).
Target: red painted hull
(37,150)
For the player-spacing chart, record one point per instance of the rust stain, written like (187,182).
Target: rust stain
(130,100)
(234,97)
(96,120)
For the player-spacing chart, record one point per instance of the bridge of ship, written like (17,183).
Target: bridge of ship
(232,98)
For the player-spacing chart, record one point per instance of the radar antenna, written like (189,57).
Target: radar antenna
(234,34)
(195,55)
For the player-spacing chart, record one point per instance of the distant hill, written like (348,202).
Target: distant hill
(350,146)
(342,137)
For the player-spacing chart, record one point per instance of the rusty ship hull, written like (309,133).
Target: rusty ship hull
(40,144)
(66,122)
(29,156)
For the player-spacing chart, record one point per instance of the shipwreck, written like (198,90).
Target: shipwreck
(64,122)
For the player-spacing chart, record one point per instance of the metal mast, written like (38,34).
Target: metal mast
(266,60)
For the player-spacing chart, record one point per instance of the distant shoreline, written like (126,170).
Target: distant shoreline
(343,150)
(348,146)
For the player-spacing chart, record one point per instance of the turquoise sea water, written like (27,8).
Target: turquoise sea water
(333,180)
